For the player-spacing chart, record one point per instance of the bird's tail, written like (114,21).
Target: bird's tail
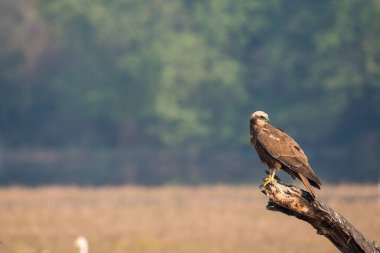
(305,181)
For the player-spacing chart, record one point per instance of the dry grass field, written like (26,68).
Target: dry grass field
(170,219)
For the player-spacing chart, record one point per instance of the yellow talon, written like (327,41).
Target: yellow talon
(269,179)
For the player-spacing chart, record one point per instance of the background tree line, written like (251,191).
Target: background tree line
(105,92)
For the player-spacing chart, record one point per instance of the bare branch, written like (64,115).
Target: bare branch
(298,203)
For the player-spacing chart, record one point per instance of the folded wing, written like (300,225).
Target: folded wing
(284,149)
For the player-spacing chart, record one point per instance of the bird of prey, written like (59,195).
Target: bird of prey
(279,151)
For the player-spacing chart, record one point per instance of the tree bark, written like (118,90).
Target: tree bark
(295,202)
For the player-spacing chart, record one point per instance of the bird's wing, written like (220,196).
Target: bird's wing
(283,148)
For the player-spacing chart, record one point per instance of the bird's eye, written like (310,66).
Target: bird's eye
(262,117)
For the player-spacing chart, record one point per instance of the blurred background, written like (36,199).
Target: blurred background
(151,100)
(161,91)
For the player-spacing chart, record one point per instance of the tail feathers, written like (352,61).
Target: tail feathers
(305,181)
(313,183)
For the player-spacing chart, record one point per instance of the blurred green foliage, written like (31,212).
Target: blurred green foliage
(185,75)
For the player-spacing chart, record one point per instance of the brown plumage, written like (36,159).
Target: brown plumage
(279,151)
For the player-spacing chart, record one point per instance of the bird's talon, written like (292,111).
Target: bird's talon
(269,180)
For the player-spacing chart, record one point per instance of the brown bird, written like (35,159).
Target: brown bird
(279,151)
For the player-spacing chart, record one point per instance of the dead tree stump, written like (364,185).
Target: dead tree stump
(295,202)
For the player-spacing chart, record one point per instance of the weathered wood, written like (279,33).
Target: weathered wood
(295,202)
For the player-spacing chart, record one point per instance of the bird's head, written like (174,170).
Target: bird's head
(259,118)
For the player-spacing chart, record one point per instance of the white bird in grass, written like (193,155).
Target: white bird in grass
(82,243)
